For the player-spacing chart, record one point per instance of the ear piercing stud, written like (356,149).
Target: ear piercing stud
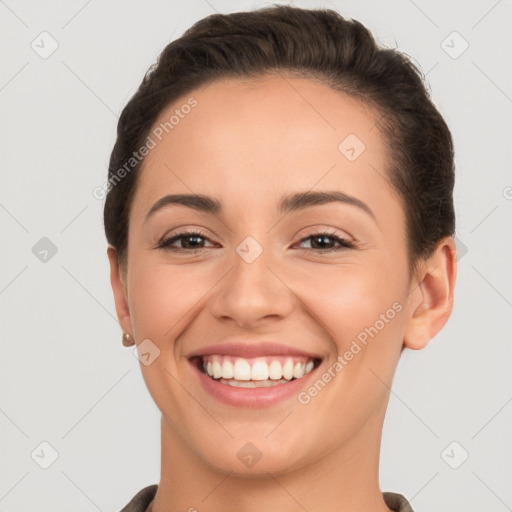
(128,341)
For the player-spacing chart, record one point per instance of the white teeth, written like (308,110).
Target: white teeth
(259,371)
(298,370)
(262,370)
(246,384)
(217,370)
(275,370)
(252,383)
(288,370)
(227,369)
(242,370)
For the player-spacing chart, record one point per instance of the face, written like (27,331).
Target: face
(274,278)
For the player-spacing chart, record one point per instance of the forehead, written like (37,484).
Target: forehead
(246,140)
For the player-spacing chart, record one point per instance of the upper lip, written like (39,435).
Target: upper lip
(248,349)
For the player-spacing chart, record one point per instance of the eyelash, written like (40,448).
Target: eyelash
(165,244)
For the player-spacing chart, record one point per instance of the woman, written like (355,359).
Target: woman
(280,225)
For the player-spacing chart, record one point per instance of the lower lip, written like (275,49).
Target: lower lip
(252,397)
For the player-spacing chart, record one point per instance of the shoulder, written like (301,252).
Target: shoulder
(141,500)
(397,502)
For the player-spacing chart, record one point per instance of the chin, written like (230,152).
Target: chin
(268,464)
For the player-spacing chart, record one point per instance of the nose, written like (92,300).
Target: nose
(253,292)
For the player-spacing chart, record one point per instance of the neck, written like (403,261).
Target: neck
(344,480)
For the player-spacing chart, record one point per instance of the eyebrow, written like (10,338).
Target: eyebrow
(292,202)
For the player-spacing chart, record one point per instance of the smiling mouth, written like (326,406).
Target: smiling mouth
(255,372)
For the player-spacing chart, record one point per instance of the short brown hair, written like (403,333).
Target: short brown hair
(314,43)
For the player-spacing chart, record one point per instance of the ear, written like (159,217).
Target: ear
(118,282)
(432,298)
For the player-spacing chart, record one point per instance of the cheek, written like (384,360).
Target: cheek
(346,300)
(161,297)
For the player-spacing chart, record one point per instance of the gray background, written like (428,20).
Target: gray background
(65,378)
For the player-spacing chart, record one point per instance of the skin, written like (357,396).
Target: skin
(247,143)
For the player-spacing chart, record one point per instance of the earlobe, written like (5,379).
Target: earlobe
(432,302)
(118,283)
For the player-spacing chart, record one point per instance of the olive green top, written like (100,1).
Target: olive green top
(141,501)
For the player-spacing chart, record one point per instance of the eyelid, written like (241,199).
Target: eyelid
(164,241)
(344,243)
(187,229)
(317,229)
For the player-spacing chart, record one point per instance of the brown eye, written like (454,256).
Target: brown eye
(190,241)
(325,242)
